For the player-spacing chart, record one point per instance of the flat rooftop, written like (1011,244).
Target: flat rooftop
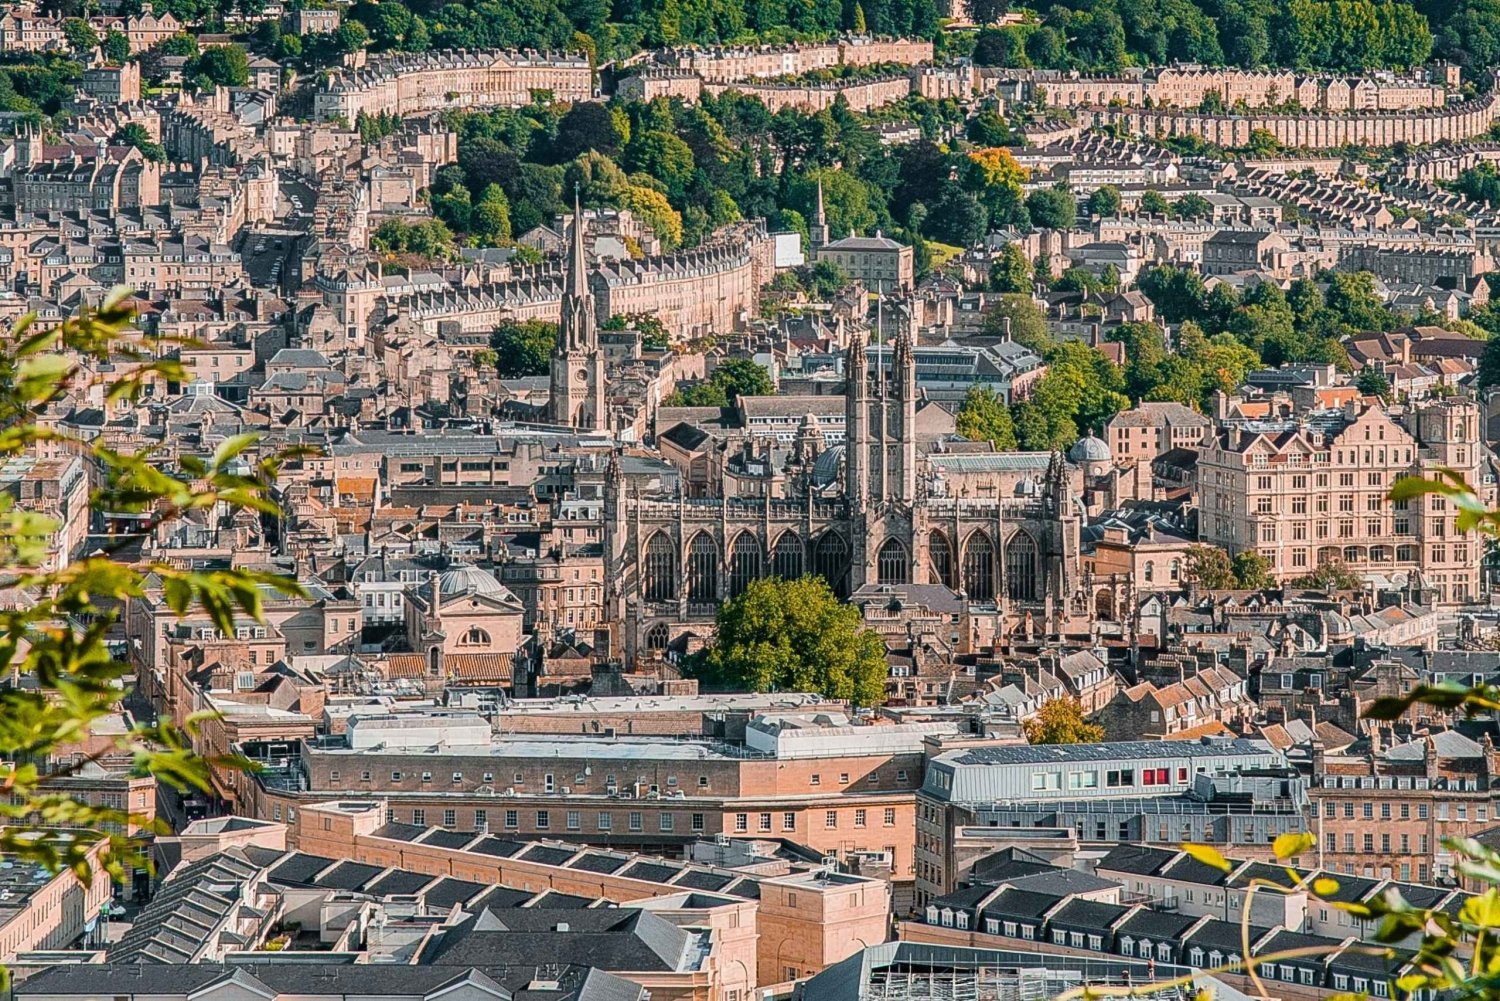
(544,746)
(782,701)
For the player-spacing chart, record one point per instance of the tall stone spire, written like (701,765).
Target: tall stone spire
(578,278)
(818,233)
(904,375)
(857,422)
(577,371)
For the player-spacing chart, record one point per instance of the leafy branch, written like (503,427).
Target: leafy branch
(60,613)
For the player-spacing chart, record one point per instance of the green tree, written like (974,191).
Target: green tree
(1210,567)
(1372,382)
(1177,293)
(224,65)
(1334,575)
(662,155)
(587,127)
(1489,364)
(1252,571)
(1081,391)
(523,347)
(116,47)
(742,377)
(1061,721)
(60,636)
(1053,208)
(1011,271)
(1019,317)
(699,394)
(985,417)
(490,220)
(1193,206)
(795,635)
(80,35)
(135,134)
(1153,203)
(1105,201)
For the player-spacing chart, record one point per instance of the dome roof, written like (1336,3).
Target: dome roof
(826,466)
(465,578)
(1089,449)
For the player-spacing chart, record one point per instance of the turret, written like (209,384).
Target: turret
(857,422)
(904,374)
(818,231)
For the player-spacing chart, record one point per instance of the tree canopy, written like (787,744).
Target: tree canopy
(75,682)
(1061,721)
(795,635)
(523,347)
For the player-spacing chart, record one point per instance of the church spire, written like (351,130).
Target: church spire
(818,234)
(578,278)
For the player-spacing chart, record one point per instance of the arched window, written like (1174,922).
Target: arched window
(940,557)
(657,637)
(744,563)
(1380,554)
(1020,568)
(1150,573)
(1175,570)
(1406,554)
(1351,554)
(1104,605)
(703,569)
(894,566)
(475,637)
(661,569)
(831,562)
(979,567)
(786,560)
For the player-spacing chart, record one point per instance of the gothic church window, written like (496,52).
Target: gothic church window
(703,569)
(661,569)
(893,564)
(1021,568)
(657,637)
(831,562)
(940,555)
(979,567)
(787,560)
(744,563)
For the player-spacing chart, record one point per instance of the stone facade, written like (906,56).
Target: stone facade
(418,84)
(870,511)
(1306,495)
(1417,128)
(1189,88)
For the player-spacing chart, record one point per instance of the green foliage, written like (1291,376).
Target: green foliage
(1154,203)
(1081,391)
(523,348)
(1061,721)
(429,238)
(1020,317)
(489,223)
(1053,208)
(985,417)
(1214,569)
(795,635)
(1011,271)
(1105,201)
(116,47)
(135,134)
(223,65)
(58,639)
(1334,575)
(733,378)
(1373,383)
(80,35)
